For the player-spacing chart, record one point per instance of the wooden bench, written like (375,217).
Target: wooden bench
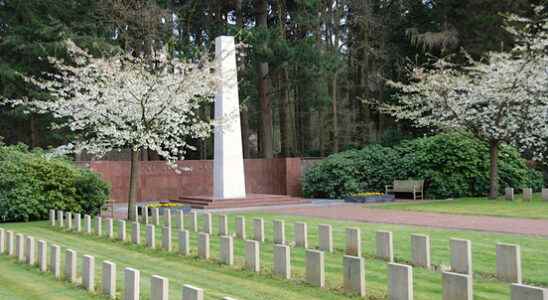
(416,187)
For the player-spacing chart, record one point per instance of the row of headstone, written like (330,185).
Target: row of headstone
(152,215)
(508,266)
(508,258)
(25,251)
(527,194)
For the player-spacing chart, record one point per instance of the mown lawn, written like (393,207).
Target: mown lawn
(536,209)
(219,281)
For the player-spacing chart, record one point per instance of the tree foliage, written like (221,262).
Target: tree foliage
(452,165)
(34,182)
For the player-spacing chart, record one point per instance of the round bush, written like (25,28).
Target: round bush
(32,183)
(452,165)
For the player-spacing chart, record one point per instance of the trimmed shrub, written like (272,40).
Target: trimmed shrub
(32,183)
(452,165)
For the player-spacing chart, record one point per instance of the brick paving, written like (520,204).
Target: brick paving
(360,213)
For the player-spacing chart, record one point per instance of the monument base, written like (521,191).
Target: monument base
(251,200)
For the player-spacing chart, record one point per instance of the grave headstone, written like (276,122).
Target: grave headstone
(354,275)
(301,235)
(258,230)
(132,284)
(109,279)
(457,286)
(252,256)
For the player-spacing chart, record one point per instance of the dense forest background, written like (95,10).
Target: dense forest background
(309,70)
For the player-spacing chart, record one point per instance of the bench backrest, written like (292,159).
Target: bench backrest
(407,185)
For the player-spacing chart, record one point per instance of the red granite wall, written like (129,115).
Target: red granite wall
(280,176)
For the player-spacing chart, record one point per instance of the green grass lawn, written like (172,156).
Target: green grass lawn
(219,281)
(536,209)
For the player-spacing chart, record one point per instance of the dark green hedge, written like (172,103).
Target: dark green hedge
(453,165)
(31,183)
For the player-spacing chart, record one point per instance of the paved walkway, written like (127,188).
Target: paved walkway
(360,213)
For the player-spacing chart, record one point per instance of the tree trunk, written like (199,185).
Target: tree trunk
(285,114)
(262,73)
(244,117)
(133,185)
(493,177)
(33,132)
(335,117)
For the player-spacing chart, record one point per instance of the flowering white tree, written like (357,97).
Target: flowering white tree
(503,99)
(123,102)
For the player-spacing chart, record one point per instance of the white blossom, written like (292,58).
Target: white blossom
(503,98)
(125,102)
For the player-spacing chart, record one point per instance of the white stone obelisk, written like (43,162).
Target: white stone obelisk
(228,177)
